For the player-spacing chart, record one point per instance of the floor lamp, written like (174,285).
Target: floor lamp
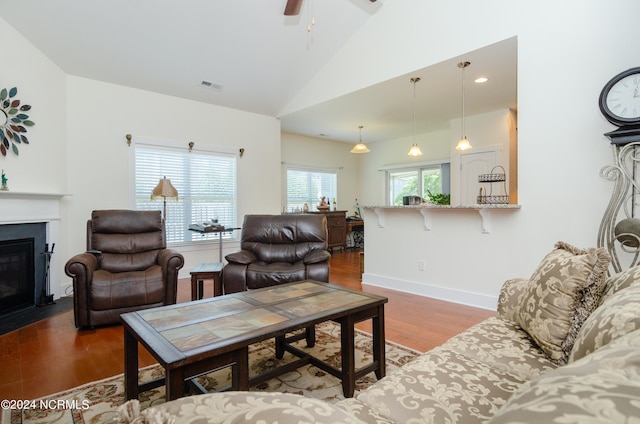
(165,190)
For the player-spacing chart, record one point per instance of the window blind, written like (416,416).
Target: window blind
(206,185)
(304,186)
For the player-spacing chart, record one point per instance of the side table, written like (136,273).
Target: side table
(206,271)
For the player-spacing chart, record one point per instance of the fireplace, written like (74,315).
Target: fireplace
(22,265)
(26,211)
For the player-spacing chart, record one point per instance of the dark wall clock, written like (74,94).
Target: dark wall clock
(13,121)
(620,104)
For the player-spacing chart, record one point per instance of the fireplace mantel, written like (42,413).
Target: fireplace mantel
(18,207)
(7,194)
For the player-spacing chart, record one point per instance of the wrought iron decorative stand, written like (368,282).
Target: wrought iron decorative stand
(620,229)
(47,297)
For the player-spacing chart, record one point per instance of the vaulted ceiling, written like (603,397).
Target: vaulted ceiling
(247,55)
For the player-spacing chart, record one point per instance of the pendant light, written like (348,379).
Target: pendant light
(463,143)
(415,150)
(360,147)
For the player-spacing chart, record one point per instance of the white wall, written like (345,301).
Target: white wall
(101,114)
(78,144)
(566,53)
(41,166)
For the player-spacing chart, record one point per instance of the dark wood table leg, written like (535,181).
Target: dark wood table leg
(174,383)
(240,371)
(310,335)
(200,289)
(347,333)
(379,342)
(217,284)
(280,346)
(130,366)
(194,287)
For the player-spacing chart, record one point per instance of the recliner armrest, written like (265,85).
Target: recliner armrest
(317,256)
(81,266)
(243,257)
(171,262)
(170,259)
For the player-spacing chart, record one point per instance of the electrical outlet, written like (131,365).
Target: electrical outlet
(420,265)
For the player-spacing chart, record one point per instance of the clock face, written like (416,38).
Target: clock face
(620,98)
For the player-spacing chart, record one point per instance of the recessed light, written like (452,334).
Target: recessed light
(481,80)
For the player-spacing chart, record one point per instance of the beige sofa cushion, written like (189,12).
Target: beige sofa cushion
(561,294)
(441,386)
(466,380)
(244,407)
(620,281)
(600,388)
(618,315)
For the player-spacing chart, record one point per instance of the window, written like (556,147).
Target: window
(308,186)
(418,181)
(206,185)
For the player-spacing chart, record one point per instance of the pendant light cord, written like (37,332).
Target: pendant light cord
(414,81)
(414,111)
(463,66)
(464,133)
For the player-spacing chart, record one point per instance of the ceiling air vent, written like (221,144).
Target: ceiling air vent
(211,85)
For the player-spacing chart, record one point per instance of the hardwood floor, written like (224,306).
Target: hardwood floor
(51,355)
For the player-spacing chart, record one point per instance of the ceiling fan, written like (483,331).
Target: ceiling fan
(293,7)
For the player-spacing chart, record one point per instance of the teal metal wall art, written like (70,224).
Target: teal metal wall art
(13,122)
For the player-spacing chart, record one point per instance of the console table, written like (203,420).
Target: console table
(336,227)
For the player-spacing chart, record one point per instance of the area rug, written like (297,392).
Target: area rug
(98,401)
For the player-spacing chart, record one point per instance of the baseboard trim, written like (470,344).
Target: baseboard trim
(429,290)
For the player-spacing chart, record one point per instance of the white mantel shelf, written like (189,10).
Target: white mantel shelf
(427,210)
(8,194)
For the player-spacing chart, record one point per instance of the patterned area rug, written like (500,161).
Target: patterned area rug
(97,402)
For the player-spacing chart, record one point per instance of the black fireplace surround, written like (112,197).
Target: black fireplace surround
(22,265)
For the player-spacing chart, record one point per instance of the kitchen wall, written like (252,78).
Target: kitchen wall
(566,54)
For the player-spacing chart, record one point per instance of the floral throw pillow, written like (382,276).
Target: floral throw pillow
(618,315)
(561,294)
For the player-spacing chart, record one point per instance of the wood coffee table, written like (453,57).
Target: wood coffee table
(192,338)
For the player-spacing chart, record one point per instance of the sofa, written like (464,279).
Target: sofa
(278,249)
(564,347)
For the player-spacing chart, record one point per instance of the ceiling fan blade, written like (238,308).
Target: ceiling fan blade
(292,8)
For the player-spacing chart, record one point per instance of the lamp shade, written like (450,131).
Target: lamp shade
(164,190)
(415,151)
(463,144)
(360,147)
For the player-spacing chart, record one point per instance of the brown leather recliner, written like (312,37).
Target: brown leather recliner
(127,267)
(278,249)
